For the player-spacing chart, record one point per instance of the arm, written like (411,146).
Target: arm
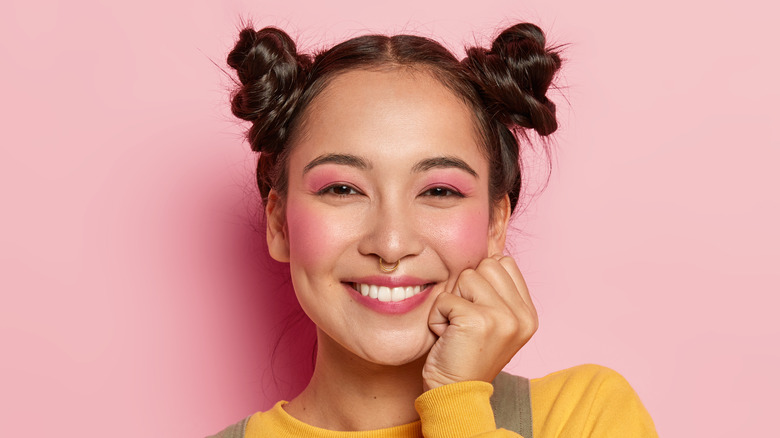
(485,319)
(588,401)
(616,410)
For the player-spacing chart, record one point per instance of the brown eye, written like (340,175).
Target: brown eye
(339,190)
(442,192)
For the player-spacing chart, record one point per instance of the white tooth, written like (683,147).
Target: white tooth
(364,289)
(409,292)
(417,289)
(398,294)
(384,293)
(373,291)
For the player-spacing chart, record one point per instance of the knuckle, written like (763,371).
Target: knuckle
(490,265)
(506,260)
(468,274)
(511,326)
(532,327)
(487,262)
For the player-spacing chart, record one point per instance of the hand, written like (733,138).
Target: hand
(481,324)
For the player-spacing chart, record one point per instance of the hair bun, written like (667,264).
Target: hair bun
(272,74)
(514,76)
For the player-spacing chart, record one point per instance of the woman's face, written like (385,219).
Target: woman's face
(388,166)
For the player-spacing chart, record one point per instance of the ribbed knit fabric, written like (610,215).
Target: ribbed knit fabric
(456,410)
(588,401)
(584,401)
(277,423)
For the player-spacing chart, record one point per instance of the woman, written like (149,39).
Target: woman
(389,171)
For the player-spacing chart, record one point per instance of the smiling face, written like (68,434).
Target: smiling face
(389,166)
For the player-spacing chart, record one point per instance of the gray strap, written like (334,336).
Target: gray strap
(237,430)
(511,402)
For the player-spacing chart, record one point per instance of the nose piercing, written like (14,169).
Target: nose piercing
(384,268)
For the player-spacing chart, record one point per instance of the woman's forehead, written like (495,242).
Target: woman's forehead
(382,88)
(378,112)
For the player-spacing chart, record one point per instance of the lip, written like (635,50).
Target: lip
(390,307)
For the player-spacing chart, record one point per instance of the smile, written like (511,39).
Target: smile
(388,294)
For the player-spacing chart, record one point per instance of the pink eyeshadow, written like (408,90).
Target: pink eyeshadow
(320,177)
(457,179)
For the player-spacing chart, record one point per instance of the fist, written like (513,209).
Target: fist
(481,324)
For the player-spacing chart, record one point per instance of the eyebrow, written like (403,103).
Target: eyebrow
(343,159)
(442,163)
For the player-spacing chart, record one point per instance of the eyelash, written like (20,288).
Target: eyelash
(331,190)
(434,192)
(447,190)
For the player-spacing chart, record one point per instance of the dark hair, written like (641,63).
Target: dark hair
(505,86)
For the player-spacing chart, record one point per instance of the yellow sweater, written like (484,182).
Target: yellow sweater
(584,401)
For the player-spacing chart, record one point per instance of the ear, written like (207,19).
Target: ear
(498,227)
(276,228)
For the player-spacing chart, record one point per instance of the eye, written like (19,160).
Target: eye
(442,192)
(340,190)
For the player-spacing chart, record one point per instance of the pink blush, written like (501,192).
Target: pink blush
(459,235)
(469,234)
(306,232)
(316,230)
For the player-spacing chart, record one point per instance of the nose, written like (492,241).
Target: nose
(392,234)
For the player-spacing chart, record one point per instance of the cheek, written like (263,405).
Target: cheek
(461,237)
(315,233)
(306,233)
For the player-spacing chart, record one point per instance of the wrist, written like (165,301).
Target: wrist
(459,409)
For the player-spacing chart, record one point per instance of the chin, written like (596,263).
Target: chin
(399,353)
(389,347)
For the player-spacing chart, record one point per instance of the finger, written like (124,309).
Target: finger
(503,283)
(517,277)
(474,287)
(446,308)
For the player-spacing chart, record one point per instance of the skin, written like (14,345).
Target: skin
(340,216)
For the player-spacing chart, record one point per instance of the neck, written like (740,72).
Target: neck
(350,393)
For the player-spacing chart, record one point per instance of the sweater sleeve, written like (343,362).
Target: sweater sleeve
(616,410)
(459,410)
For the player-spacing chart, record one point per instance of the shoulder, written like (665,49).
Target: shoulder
(581,384)
(588,398)
(582,378)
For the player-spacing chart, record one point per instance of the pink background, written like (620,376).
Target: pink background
(137,297)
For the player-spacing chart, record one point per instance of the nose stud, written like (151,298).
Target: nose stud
(385,268)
